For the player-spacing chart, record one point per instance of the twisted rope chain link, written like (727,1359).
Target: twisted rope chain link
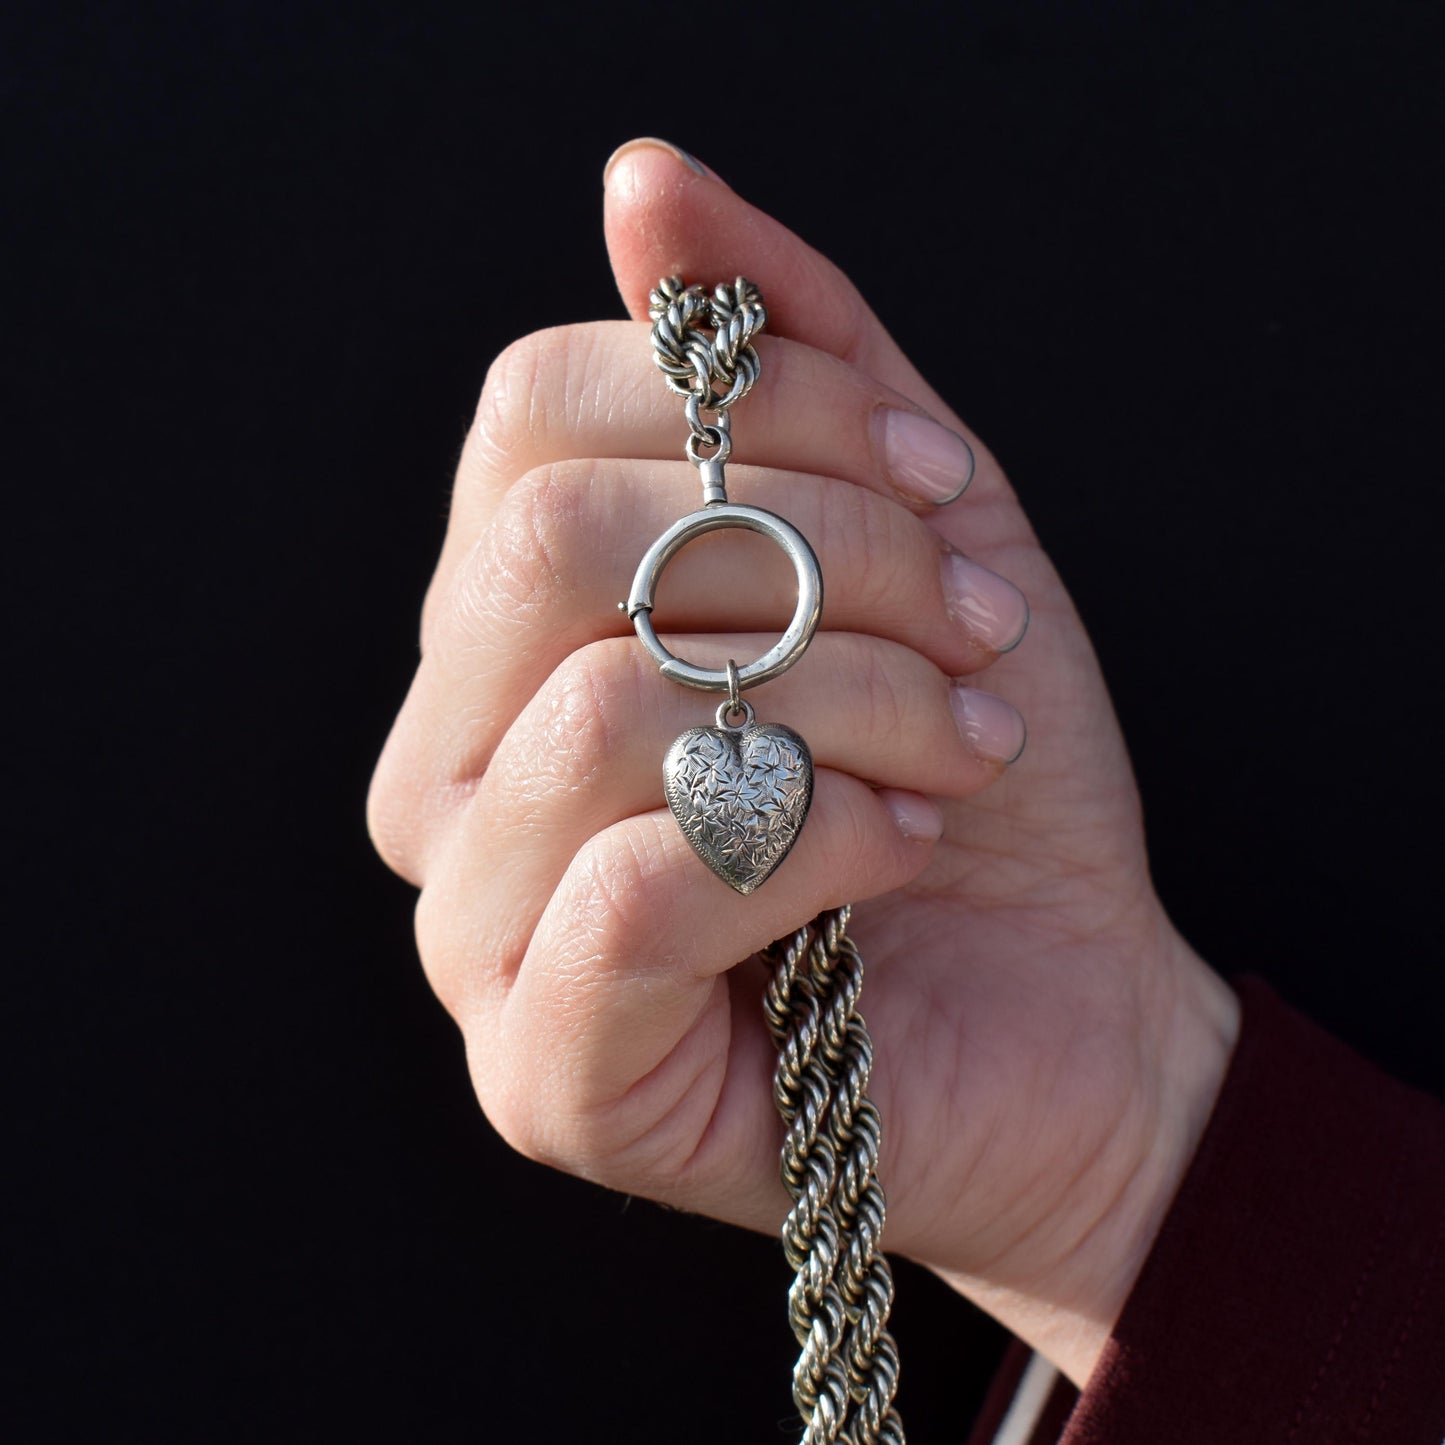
(690,360)
(843,1288)
(847,1372)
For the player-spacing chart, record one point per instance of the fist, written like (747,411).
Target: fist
(1047,1048)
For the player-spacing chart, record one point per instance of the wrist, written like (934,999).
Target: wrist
(1065,1306)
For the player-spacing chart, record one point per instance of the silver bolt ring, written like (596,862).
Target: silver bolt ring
(716,437)
(796,637)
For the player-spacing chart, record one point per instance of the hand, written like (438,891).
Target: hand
(1047,1047)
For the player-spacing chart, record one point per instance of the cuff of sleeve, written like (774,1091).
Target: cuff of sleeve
(1296,1291)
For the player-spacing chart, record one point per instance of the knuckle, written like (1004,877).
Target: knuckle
(585,684)
(465,952)
(534,536)
(391,815)
(570,735)
(432,606)
(514,1114)
(505,407)
(582,698)
(388,833)
(613,919)
(465,611)
(523,564)
(548,1089)
(528,1102)
(525,385)
(443,955)
(548,1129)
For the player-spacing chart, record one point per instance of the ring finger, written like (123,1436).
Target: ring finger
(584,755)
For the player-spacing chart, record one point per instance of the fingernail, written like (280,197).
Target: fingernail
(918,818)
(925,461)
(652,142)
(993,729)
(993,612)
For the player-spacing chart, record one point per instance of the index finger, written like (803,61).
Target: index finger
(592,390)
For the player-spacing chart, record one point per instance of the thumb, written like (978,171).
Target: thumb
(667,215)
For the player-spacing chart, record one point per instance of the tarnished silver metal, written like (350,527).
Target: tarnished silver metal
(847,1374)
(690,359)
(798,633)
(718,435)
(742,708)
(704,433)
(714,485)
(740,792)
(710,436)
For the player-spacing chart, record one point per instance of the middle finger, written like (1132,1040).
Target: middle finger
(546,578)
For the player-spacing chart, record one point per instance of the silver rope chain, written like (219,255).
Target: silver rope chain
(843,1289)
(847,1372)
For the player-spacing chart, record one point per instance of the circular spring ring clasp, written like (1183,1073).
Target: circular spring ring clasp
(799,632)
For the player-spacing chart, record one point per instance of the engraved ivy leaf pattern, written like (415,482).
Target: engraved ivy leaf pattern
(740,798)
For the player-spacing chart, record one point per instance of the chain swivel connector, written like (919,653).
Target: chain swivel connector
(718,435)
(714,484)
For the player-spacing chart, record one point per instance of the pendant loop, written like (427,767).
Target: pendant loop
(726,711)
(799,632)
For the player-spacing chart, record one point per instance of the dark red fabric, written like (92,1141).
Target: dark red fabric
(1296,1292)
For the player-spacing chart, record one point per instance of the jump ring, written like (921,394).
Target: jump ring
(692,409)
(716,436)
(725,710)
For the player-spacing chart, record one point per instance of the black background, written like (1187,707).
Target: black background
(1176,263)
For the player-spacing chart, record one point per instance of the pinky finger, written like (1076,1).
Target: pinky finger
(613,1028)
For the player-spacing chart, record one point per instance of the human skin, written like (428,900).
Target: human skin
(1047,1046)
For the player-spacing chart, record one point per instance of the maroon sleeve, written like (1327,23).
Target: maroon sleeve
(1296,1292)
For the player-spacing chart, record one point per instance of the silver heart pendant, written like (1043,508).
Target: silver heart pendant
(740,796)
